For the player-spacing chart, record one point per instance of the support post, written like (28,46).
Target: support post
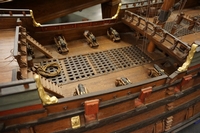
(180,18)
(151,47)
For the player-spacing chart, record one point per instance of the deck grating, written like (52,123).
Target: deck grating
(78,67)
(94,64)
(117,59)
(182,29)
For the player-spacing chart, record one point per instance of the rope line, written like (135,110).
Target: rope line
(42,70)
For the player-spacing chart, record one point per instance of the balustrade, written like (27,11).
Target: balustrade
(14,12)
(72,25)
(140,4)
(174,46)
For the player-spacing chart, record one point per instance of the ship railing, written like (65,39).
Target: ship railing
(13,17)
(117,97)
(14,12)
(193,23)
(73,25)
(19,98)
(20,50)
(108,94)
(161,83)
(142,3)
(22,83)
(161,37)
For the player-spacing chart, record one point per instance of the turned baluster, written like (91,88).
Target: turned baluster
(164,37)
(23,12)
(173,30)
(192,23)
(155,28)
(10,12)
(131,18)
(176,41)
(145,27)
(180,18)
(138,23)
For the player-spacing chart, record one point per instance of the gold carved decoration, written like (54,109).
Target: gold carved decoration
(35,24)
(185,65)
(75,121)
(46,99)
(117,13)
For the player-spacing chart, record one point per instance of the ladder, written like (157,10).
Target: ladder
(39,46)
(48,85)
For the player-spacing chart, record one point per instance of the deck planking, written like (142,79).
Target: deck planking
(7,61)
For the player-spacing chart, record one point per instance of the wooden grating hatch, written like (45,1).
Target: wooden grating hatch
(85,66)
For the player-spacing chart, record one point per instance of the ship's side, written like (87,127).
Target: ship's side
(162,95)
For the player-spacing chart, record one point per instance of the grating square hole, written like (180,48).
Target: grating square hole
(77,67)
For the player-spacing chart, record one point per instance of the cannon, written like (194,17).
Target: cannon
(91,39)
(80,90)
(155,71)
(122,81)
(61,44)
(113,34)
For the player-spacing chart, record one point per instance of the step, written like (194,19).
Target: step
(39,46)
(48,85)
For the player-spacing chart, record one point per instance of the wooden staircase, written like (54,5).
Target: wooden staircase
(37,45)
(48,85)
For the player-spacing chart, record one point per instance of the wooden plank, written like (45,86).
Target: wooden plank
(15,83)
(125,115)
(18,110)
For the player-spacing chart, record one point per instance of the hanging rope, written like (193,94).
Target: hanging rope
(42,70)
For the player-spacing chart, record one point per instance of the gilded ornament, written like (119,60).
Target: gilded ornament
(185,65)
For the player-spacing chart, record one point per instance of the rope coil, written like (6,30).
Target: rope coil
(42,70)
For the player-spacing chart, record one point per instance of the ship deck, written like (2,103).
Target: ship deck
(95,68)
(98,68)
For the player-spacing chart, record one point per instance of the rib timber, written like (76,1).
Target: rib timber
(37,45)
(48,85)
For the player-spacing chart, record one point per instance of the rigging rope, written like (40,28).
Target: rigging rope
(42,70)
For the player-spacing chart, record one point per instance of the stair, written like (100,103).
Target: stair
(48,85)
(37,45)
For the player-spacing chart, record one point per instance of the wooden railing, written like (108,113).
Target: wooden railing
(106,95)
(20,50)
(190,21)
(172,45)
(14,12)
(73,25)
(140,4)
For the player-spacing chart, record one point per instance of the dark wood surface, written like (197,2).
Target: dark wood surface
(48,10)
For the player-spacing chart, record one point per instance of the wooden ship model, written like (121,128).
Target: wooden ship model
(142,77)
